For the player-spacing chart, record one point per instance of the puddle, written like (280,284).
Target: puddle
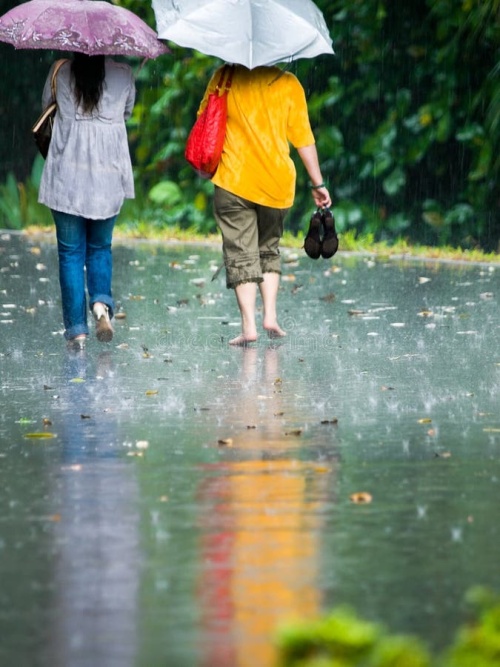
(194,495)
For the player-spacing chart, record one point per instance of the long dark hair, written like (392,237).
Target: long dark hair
(88,73)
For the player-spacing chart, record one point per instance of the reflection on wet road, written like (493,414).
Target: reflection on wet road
(170,500)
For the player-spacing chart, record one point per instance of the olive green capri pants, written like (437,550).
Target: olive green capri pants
(251,234)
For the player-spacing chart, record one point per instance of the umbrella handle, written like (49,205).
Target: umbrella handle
(143,62)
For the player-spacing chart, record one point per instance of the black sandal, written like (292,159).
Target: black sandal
(312,242)
(330,243)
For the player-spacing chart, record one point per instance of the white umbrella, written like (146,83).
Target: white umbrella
(249,32)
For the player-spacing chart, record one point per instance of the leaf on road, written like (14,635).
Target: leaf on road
(361,498)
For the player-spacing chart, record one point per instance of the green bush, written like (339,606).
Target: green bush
(342,639)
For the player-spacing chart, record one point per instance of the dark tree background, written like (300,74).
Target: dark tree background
(406,116)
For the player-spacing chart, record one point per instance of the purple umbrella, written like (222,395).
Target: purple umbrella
(87,26)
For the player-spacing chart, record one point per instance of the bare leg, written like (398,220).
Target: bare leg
(269,294)
(246,294)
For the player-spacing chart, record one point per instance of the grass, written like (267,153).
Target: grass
(349,242)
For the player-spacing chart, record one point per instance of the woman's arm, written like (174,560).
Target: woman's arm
(129,104)
(47,89)
(309,157)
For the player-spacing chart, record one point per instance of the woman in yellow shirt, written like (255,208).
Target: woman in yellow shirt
(255,184)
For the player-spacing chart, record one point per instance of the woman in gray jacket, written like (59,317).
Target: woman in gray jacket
(87,176)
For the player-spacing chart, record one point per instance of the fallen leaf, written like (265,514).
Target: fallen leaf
(46,421)
(322,469)
(120,316)
(361,497)
(425,420)
(43,435)
(151,392)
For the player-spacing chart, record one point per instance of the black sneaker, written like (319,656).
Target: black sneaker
(312,242)
(330,243)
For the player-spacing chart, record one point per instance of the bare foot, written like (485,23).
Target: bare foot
(275,331)
(242,340)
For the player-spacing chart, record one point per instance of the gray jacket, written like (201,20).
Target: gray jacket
(88,171)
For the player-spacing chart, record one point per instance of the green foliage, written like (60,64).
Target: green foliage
(169,93)
(406,117)
(342,639)
(414,106)
(19,205)
(478,643)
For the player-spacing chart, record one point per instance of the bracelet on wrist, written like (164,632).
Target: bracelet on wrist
(317,187)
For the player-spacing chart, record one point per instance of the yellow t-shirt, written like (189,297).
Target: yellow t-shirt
(267,111)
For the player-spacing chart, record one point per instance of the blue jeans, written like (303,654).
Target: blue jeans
(83,244)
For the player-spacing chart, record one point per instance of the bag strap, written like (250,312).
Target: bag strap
(57,67)
(229,80)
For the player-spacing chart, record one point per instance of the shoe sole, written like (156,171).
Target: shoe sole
(312,248)
(312,243)
(330,243)
(104,330)
(329,247)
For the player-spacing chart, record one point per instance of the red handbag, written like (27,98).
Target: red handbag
(206,140)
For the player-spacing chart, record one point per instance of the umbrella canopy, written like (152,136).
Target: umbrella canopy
(88,26)
(249,32)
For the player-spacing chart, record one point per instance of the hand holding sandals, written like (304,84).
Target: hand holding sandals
(321,196)
(321,239)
